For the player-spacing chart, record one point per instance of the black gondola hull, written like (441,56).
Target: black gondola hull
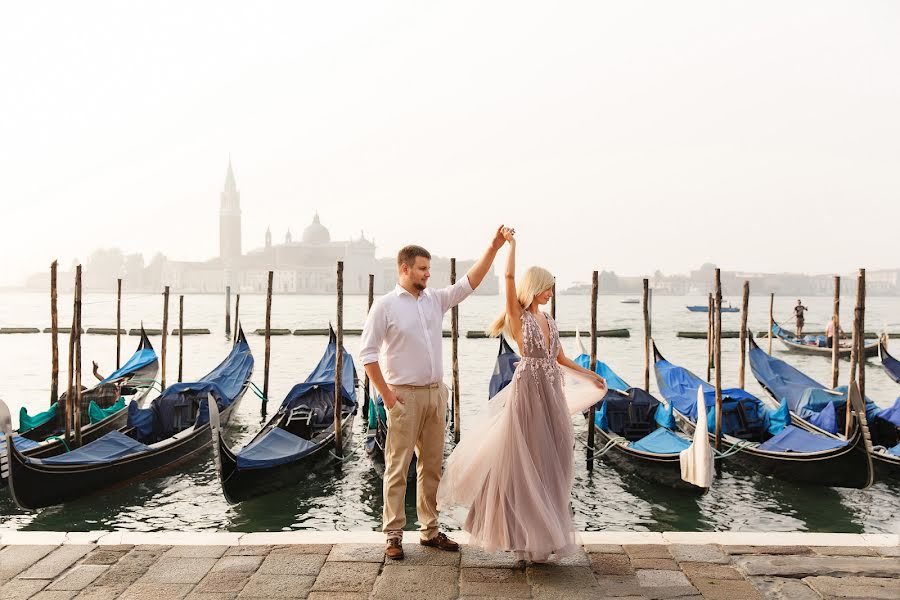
(36,486)
(662,470)
(244,484)
(886,467)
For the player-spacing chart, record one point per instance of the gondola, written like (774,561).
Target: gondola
(890,364)
(822,410)
(298,437)
(703,308)
(173,430)
(376,438)
(750,430)
(104,407)
(815,344)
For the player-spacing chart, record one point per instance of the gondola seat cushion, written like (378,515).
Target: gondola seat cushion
(891,415)
(825,419)
(112,446)
(97,414)
(794,439)
(600,418)
(275,448)
(665,417)
(27,421)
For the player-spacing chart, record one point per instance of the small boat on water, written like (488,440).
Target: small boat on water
(766,440)
(820,409)
(815,344)
(104,408)
(631,301)
(703,308)
(298,437)
(890,364)
(172,430)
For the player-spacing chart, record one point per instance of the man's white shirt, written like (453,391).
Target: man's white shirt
(405,334)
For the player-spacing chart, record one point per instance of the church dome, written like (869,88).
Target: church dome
(316,233)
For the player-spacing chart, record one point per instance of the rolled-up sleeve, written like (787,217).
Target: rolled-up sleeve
(452,295)
(373,334)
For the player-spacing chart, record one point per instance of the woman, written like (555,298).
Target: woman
(514,475)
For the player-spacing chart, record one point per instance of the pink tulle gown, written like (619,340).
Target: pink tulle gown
(513,473)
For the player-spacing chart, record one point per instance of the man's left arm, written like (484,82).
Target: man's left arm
(456,293)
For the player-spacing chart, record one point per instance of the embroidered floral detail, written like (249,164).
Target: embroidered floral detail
(537,359)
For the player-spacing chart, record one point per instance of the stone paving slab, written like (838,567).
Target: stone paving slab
(356,570)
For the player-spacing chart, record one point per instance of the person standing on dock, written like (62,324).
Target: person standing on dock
(798,314)
(404,329)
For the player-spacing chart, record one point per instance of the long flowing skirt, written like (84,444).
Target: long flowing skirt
(509,481)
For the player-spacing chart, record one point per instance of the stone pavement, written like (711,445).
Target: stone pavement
(356,571)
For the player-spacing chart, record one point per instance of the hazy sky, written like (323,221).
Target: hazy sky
(624,135)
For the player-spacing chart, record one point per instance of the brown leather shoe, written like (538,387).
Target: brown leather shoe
(441,542)
(394,549)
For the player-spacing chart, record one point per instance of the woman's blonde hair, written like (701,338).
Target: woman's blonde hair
(535,281)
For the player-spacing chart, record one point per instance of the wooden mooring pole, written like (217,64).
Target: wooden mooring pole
(745,303)
(54,336)
(69,404)
(77,412)
(861,378)
(228,312)
(717,353)
(118,323)
(835,336)
(771,319)
(710,334)
(553,302)
(165,336)
(593,411)
(339,363)
(237,314)
(368,384)
(647,335)
(180,336)
(454,337)
(268,353)
(857,344)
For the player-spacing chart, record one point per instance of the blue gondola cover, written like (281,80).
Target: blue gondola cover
(112,446)
(892,414)
(891,366)
(825,419)
(665,416)
(794,439)
(276,447)
(661,441)
(138,360)
(21,443)
(613,381)
(600,417)
(779,418)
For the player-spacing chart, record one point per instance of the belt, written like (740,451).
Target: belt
(430,386)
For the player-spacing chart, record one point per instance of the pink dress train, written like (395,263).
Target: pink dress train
(509,480)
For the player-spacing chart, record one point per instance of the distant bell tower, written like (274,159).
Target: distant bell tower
(230,219)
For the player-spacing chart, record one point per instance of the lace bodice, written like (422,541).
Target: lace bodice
(536,357)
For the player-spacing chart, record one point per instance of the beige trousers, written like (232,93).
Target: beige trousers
(418,425)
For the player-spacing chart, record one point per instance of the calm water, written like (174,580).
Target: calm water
(350,497)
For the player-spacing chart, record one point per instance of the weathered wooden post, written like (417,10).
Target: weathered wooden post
(835,336)
(77,404)
(367,384)
(228,312)
(857,343)
(54,337)
(718,358)
(710,334)
(165,336)
(745,303)
(268,354)
(237,314)
(861,379)
(454,336)
(118,323)
(339,362)
(771,319)
(180,336)
(69,404)
(647,335)
(593,412)
(553,301)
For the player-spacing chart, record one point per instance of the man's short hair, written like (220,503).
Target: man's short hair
(408,255)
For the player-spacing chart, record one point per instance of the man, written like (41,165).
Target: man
(405,328)
(798,313)
(830,333)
